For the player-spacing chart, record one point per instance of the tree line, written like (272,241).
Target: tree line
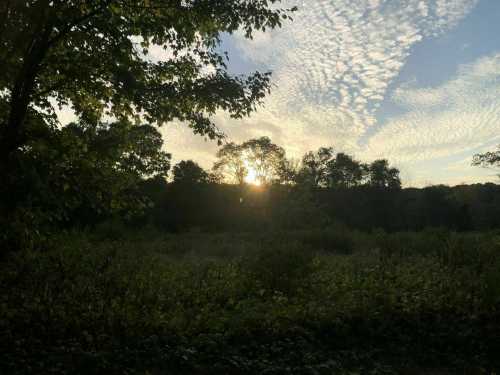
(181,206)
(264,163)
(320,189)
(83,174)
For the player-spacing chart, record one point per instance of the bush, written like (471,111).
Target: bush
(279,267)
(334,239)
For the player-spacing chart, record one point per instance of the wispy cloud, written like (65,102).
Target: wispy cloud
(340,56)
(333,67)
(456,117)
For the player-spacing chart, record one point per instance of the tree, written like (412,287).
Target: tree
(189,172)
(288,170)
(264,158)
(382,176)
(345,172)
(488,159)
(93,56)
(84,172)
(229,164)
(315,167)
(259,156)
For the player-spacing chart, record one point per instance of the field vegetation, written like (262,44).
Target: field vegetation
(115,261)
(307,302)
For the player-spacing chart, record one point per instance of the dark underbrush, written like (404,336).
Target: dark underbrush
(312,302)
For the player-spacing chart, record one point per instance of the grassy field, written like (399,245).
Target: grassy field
(313,302)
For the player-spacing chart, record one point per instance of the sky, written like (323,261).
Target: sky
(414,81)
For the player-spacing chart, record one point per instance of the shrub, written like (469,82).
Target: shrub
(334,239)
(279,267)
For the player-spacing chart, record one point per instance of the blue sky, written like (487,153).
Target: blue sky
(413,81)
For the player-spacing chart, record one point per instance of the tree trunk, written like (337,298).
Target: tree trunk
(13,133)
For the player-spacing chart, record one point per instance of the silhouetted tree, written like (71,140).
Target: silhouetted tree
(344,171)
(84,172)
(382,176)
(288,171)
(230,164)
(440,208)
(488,159)
(259,156)
(189,172)
(265,158)
(93,55)
(315,167)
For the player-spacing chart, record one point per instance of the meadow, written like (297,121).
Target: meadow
(330,301)
(276,258)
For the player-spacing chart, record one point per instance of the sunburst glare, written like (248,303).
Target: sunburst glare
(251,177)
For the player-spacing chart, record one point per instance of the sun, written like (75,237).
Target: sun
(251,177)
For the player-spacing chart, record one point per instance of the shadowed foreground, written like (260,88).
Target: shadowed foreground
(315,302)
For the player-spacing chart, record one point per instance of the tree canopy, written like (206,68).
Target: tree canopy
(488,159)
(81,173)
(230,164)
(315,166)
(318,169)
(381,175)
(264,158)
(93,55)
(189,172)
(258,159)
(323,168)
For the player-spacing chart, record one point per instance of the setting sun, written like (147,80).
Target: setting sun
(251,177)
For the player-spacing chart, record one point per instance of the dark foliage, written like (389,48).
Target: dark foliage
(92,56)
(277,303)
(225,207)
(187,172)
(322,266)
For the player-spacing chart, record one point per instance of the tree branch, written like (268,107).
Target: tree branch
(67,29)
(57,85)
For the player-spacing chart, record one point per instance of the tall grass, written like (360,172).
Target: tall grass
(334,301)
